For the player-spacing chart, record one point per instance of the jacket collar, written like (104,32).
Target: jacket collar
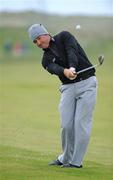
(50,44)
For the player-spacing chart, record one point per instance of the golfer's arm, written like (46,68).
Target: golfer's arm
(54,69)
(71,49)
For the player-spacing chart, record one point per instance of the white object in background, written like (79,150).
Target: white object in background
(78,27)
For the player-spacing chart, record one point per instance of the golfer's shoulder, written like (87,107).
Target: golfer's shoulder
(63,35)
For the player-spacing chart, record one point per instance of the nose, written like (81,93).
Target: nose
(38,42)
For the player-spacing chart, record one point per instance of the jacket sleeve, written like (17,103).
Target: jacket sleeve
(70,44)
(52,67)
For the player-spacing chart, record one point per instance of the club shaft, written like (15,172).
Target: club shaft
(83,70)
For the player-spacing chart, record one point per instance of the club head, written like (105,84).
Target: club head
(101,59)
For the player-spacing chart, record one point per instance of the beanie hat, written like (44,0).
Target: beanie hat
(36,30)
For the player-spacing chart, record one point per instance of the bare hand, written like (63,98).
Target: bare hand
(70,74)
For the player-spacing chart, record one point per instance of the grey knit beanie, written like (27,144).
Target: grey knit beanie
(36,30)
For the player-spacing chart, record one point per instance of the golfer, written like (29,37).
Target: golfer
(63,56)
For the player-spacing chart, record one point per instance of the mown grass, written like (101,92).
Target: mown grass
(30,126)
(25,164)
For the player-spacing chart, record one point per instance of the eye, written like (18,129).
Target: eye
(39,37)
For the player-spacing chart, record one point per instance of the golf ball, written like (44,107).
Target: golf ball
(78,27)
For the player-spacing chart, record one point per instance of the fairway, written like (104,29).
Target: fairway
(30,122)
(30,127)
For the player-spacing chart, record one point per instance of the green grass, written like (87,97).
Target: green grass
(30,127)
(29,120)
(21,164)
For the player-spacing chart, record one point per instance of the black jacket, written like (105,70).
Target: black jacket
(65,52)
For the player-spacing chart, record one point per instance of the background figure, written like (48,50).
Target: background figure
(8,46)
(17,49)
(25,47)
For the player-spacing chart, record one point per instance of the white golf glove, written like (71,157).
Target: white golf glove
(74,72)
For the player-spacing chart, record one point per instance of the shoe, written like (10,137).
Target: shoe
(71,166)
(55,163)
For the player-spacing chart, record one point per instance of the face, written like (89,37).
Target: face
(42,41)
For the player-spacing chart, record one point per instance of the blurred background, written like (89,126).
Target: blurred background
(29,96)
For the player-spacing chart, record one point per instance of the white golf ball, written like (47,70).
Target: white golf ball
(78,27)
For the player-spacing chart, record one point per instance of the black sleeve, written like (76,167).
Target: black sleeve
(71,48)
(52,67)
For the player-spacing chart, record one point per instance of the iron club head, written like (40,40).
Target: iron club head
(101,59)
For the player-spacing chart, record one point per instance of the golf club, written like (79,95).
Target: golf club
(100,59)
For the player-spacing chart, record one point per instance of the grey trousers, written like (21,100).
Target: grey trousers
(76,110)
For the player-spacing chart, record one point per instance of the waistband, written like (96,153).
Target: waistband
(80,79)
(83,78)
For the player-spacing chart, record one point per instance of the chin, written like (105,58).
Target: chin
(45,47)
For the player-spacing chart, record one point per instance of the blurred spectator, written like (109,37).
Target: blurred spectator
(17,49)
(25,47)
(8,46)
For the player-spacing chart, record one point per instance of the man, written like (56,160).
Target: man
(63,56)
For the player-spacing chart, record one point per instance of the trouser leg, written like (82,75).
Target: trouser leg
(76,109)
(82,124)
(67,111)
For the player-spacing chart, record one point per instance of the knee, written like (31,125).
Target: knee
(66,126)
